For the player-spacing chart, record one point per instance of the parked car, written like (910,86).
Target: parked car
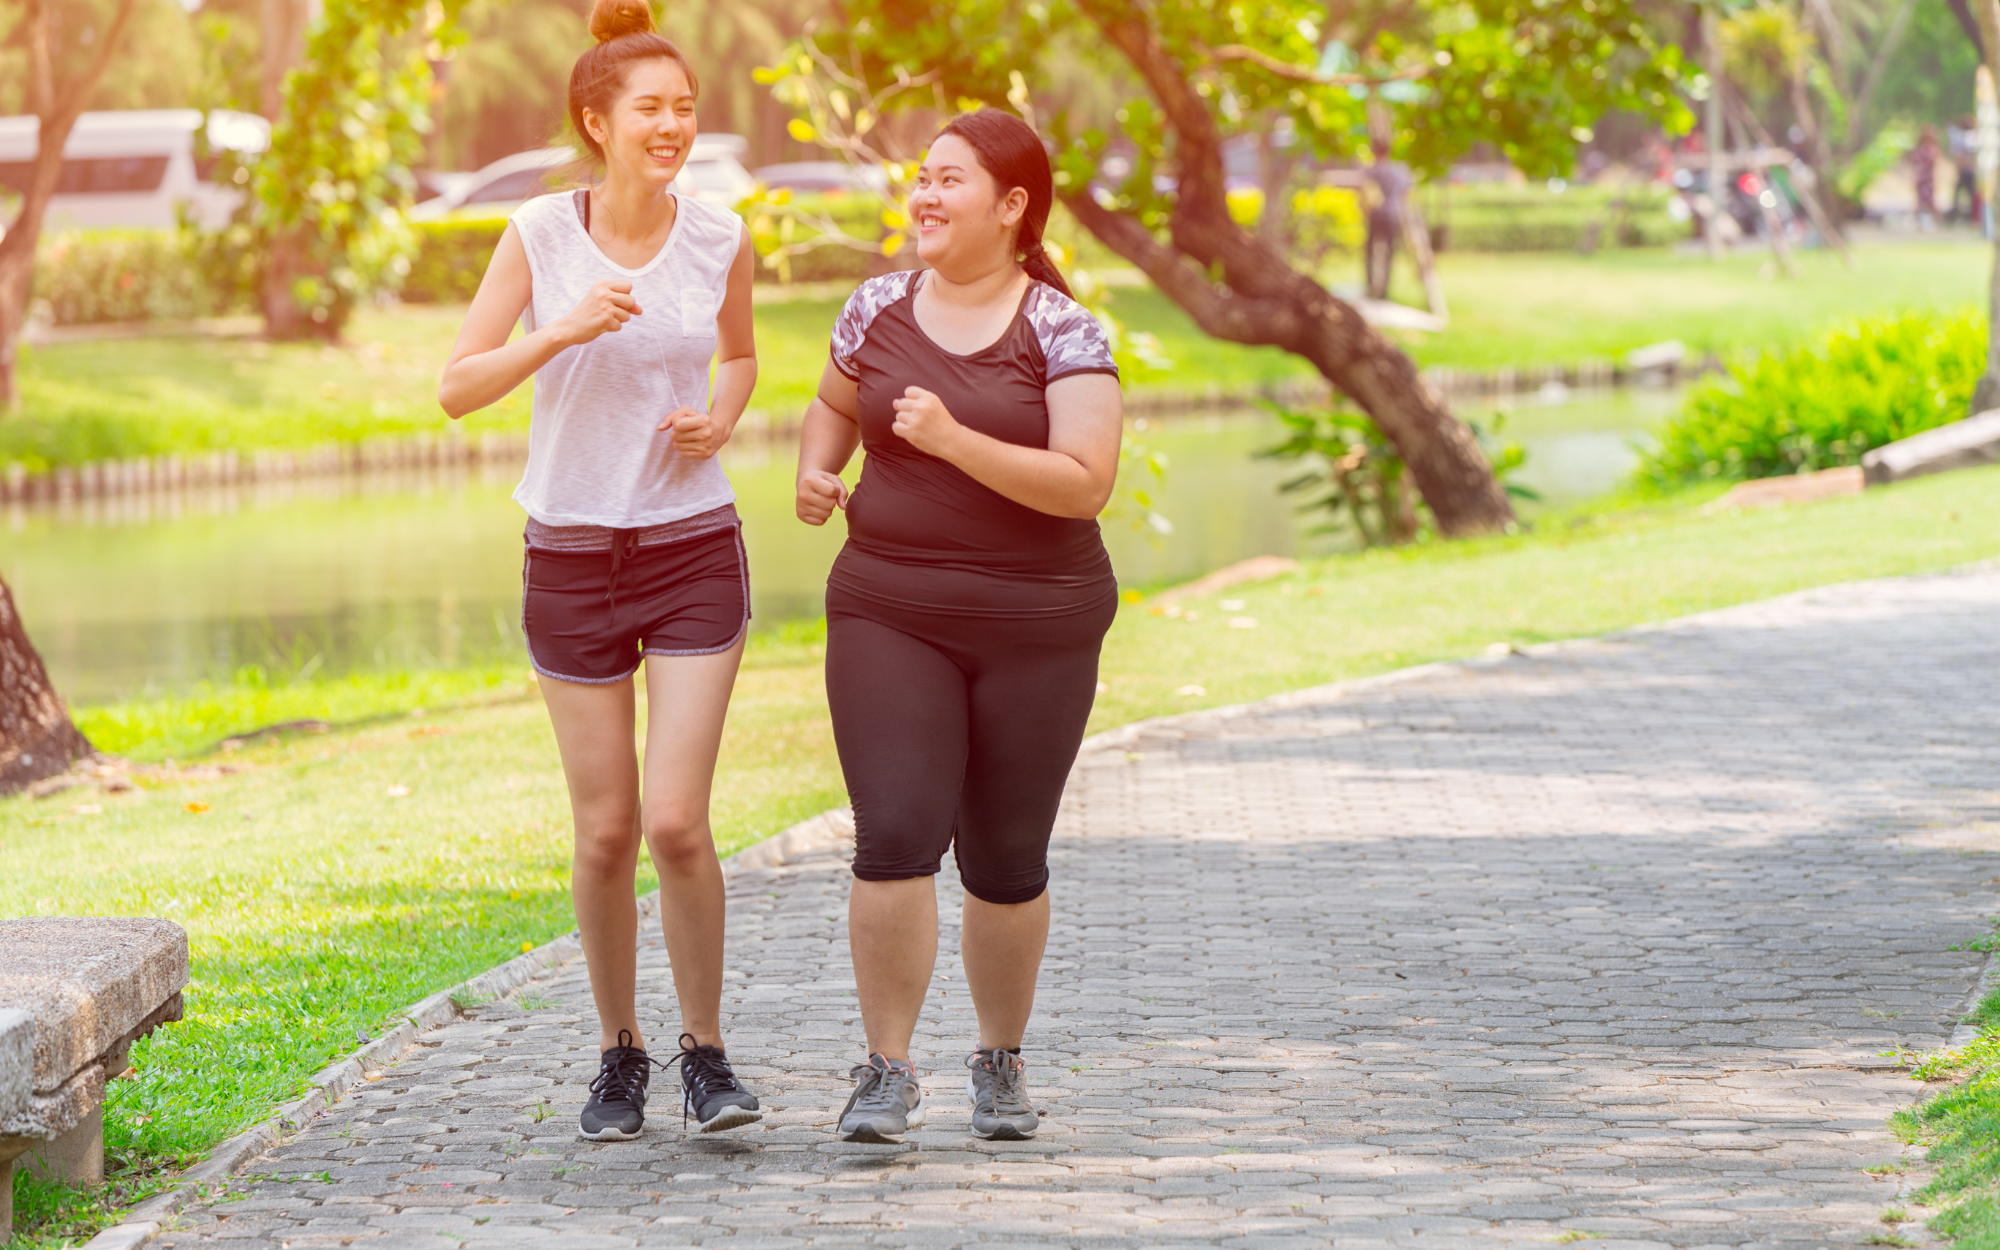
(135,167)
(714,171)
(821,176)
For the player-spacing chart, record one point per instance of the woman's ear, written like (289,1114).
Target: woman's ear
(595,128)
(1013,206)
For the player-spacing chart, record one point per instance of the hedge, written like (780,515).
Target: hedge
(1501,217)
(1825,403)
(84,277)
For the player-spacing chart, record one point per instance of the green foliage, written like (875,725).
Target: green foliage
(1883,153)
(1959,1126)
(1799,409)
(89,276)
(52,1215)
(1497,217)
(1527,76)
(1359,481)
(329,191)
(450,259)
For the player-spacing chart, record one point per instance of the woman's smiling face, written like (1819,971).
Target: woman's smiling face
(650,127)
(963,220)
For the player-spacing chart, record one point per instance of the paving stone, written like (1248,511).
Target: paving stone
(1604,937)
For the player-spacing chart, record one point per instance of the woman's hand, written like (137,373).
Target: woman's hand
(924,422)
(697,435)
(605,310)
(820,492)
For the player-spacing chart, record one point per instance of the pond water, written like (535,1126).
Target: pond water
(139,593)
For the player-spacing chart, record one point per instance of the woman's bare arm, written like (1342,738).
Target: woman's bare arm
(1073,478)
(701,434)
(484,366)
(826,443)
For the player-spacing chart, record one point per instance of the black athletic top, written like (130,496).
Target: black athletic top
(921,532)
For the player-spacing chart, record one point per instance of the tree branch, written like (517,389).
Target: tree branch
(80,89)
(1299,73)
(1232,317)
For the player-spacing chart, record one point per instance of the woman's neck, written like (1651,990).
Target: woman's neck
(976,291)
(633,209)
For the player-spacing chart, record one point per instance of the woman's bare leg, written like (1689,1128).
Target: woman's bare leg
(687,699)
(593,726)
(892,928)
(1002,945)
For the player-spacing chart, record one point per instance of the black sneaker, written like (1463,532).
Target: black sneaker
(617,1107)
(711,1096)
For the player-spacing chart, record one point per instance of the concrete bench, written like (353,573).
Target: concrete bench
(75,993)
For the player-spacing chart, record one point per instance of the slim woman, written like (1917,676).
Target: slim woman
(965,613)
(626,292)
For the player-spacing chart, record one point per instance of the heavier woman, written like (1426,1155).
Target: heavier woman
(965,613)
(627,292)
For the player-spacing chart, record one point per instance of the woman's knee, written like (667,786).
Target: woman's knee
(680,842)
(606,851)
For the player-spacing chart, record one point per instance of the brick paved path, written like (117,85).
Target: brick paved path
(1603,939)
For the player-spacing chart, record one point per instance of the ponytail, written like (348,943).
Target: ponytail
(1010,150)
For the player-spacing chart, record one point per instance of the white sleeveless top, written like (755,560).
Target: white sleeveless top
(595,456)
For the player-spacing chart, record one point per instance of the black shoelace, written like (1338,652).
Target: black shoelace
(704,1069)
(623,1071)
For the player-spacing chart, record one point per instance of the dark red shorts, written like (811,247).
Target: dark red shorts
(590,616)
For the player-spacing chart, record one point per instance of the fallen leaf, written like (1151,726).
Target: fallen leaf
(1231,605)
(1242,622)
(86,809)
(399,791)
(197,808)
(1192,691)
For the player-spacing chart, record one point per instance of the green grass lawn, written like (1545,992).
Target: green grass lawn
(319,899)
(147,396)
(1957,1126)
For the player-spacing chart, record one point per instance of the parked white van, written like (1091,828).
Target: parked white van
(134,167)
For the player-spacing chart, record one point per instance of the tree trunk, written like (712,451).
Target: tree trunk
(56,106)
(1261,299)
(1986,395)
(36,737)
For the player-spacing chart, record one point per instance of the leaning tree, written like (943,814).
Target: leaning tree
(37,739)
(1528,77)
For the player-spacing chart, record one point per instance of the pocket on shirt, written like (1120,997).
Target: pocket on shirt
(698,313)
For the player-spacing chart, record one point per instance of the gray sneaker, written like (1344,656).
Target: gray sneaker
(999,1088)
(886,1104)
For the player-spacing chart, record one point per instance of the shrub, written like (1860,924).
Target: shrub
(1823,404)
(89,276)
(450,259)
(1499,217)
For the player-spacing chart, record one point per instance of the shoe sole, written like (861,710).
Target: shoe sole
(612,1134)
(729,1118)
(868,1135)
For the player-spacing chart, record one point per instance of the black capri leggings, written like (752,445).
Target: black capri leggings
(958,730)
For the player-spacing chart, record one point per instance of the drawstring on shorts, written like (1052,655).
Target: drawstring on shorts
(623,544)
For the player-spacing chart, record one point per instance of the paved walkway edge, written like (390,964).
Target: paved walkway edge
(144,1222)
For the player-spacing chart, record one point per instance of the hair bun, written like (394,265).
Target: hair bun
(611,19)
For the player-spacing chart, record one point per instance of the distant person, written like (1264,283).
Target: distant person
(634,550)
(965,613)
(1392,181)
(1923,161)
(1962,148)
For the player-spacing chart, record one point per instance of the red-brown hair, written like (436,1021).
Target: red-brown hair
(625,35)
(1012,153)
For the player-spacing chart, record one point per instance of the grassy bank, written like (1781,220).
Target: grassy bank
(328,879)
(1958,1126)
(113,398)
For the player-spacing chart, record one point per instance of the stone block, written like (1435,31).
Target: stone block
(93,986)
(74,994)
(1963,444)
